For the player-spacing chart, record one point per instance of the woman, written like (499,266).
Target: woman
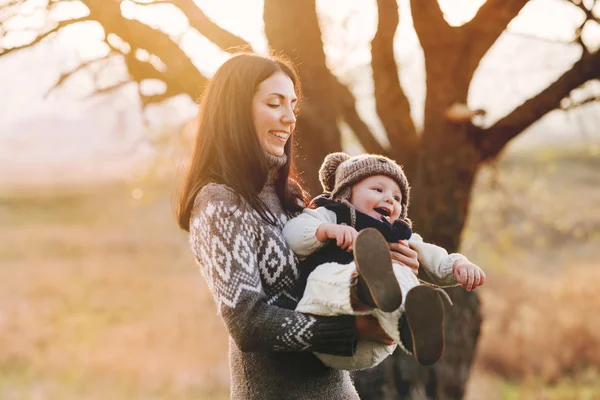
(239,191)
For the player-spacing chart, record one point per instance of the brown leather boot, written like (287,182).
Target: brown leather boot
(377,285)
(424,312)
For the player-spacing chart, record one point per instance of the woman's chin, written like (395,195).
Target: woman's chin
(275,151)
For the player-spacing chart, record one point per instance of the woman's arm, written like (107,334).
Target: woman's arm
(223,238)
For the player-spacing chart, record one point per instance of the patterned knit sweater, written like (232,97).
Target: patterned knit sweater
(254,279)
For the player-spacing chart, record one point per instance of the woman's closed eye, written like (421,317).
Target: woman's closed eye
(273,105)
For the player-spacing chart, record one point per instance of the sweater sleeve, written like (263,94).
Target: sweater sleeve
(223,236)
(435,262)
(301,232)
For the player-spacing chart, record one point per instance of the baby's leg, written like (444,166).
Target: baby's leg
(424,318)
(376,284)
(421,325)
(389,320)
(328,291)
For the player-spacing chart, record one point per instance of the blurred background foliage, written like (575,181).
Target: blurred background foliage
(100,298)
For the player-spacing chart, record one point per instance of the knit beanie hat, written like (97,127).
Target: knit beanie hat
(339,172)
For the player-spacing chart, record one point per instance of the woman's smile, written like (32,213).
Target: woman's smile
(283,136)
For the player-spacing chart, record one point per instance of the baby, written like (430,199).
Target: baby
(343,243)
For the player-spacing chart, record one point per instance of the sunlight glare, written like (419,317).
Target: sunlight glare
(165,17)
(243,18)
(459,12)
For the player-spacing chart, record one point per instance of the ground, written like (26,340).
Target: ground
(101,298)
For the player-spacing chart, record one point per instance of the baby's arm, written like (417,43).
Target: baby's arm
(343,235)
(301,232)
(446,269)
(468,275)
(435,261)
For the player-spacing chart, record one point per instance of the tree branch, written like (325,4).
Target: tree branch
(66,75)
(210,30)
(575,104)
(430,25)
(492,140)
(226,40)
(536,37)
(140,70)
(110,89)
(156,98)
(358,126)
(487,26)
(41,37)
(392,105)
(181,76)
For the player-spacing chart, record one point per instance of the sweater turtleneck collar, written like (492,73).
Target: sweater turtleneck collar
(274,163)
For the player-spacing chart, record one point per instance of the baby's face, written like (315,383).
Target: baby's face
(378,196)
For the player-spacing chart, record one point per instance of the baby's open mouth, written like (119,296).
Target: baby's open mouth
(383,211)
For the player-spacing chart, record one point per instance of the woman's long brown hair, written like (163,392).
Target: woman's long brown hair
(227,149)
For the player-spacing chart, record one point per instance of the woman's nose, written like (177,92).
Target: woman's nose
(289,117)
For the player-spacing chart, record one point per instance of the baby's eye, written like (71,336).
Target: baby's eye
(397,198)
(378,190)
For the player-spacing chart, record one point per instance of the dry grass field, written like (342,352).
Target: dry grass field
(100,298)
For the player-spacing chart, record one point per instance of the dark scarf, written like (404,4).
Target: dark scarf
(399,230)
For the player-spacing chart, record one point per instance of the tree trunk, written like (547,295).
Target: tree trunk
(440,197)
(317,129)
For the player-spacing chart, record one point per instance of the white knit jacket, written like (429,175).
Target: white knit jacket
(435,262)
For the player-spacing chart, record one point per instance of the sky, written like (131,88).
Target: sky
(533,52)
(348,26)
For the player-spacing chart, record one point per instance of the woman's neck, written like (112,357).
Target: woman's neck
(274,163)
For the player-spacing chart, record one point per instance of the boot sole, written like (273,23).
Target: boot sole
(374,265)
(424,311)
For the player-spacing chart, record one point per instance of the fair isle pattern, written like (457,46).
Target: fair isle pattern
(277,264)
(213,235)
(231,243)
(299,334)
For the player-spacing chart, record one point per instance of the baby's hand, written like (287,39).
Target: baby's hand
(468,275)
(344,235)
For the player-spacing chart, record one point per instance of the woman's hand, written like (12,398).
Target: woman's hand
(403,254)
(368,328)
(468,275)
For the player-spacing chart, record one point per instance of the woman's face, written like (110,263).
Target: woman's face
(273,112)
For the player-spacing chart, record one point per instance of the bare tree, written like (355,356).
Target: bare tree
(441,161)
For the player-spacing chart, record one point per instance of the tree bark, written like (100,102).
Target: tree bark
(447,161)
(317,127)
(392,105)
